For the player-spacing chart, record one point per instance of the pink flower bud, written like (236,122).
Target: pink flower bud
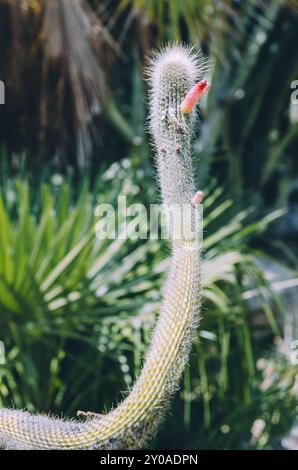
(198,197)
(194,95)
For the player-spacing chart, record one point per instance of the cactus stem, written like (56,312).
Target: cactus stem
(172,73)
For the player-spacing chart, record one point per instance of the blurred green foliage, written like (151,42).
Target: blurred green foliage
(77,312)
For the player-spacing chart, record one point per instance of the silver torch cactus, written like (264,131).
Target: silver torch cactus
(175,78)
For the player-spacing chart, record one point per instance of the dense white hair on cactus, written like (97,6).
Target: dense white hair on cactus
(172,74)
(184,64)
(187,58)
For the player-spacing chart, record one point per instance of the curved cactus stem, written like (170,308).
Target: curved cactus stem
(172,74)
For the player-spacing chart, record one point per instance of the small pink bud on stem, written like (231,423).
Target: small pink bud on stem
(198,197)
(194,95)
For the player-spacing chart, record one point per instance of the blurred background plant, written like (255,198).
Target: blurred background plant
(76,312)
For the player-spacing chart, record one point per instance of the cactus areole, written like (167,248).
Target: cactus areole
(173,74)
